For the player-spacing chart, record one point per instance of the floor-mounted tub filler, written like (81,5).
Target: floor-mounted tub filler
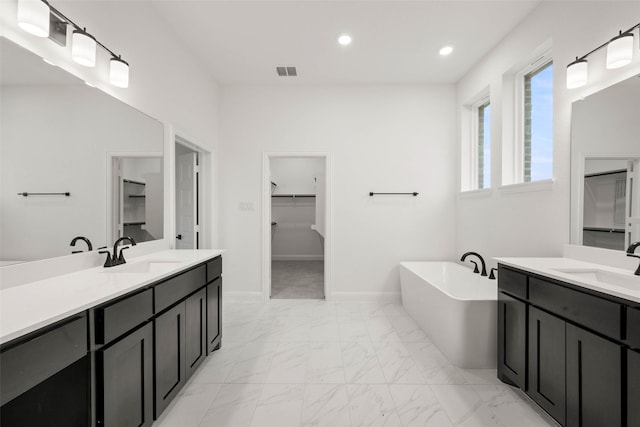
(456,308)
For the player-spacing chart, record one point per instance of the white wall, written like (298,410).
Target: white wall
(381,138)
(536,223)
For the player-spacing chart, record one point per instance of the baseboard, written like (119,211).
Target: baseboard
(297,257)
(234,296)
(387,297)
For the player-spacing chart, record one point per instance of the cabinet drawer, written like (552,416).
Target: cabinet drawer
(512,282)
(173,290)
(118,317)
(590,311)
(214,268)
(33,361)
(633,327)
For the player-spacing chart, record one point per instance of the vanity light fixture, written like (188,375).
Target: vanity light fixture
(619,54)
(620,50)
(34,17)
(119,72)
(83,48)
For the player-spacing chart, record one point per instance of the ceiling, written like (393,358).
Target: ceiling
(241,42)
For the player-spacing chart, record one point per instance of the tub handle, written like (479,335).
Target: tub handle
(491,275)
(475,268)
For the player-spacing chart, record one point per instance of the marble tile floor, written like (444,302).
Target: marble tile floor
(338,364)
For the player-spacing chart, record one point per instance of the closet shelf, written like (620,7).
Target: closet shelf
(604,230)
(293,195)
(130,181)
(137,196)
(126,224)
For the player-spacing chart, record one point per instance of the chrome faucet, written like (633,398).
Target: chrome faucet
(119,258)
(631,252)
(84,239)
(484,267)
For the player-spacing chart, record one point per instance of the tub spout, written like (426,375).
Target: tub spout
(484,267)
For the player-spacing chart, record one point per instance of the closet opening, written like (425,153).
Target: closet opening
(296,229)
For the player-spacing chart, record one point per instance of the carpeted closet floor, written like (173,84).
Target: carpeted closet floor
(297,279)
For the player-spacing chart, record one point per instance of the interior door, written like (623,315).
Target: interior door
(186,201)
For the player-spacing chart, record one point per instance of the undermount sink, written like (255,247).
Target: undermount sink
(141,267)
(602,276)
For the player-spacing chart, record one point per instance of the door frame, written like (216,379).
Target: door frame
(205,188)
(111,205)
(266,217)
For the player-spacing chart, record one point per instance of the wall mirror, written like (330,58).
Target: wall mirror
(605,167)
(59,136)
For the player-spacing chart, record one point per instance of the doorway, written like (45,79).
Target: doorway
(296,203)
(187,191)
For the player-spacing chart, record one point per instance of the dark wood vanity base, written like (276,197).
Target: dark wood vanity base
(574,351)
(117,364)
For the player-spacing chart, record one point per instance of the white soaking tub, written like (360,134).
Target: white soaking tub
(456,308)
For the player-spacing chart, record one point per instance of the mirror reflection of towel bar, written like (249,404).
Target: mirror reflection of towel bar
(25,194)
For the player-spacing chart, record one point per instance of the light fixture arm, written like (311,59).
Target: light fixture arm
(75,26)
(603,45)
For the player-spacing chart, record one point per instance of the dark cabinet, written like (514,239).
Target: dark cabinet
(581,364)
(214,314)
(594,380)
(195,330)
(170,368)
(125,381)
(633,389)
(512,321)
(45,377)
(546,365)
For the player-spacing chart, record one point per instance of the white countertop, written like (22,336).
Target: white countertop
(552,267)
(31,306)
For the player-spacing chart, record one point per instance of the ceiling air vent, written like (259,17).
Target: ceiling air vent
(287,71)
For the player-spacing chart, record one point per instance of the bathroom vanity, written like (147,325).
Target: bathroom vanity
(108,346)
(569,336)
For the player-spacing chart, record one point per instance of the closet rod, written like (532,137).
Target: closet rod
(25,194)
(293,195)
(410,194)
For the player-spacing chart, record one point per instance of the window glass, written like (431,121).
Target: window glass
(538,124)
(484,146)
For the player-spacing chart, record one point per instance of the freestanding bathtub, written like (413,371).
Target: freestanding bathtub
(456,308)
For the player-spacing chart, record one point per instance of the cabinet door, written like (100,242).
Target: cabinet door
(633,389)
(512,332)
(594,380)
(127,381)
(196,330)
(214,314)
(547,362)
(170,355)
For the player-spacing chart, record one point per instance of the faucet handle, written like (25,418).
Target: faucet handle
(109,262)
(491,275)
(475,269)
(121,259)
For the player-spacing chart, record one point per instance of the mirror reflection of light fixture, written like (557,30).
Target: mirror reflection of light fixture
(619,54)
(577,73)
(33,17)
(620,50)
(119,72)
(83,48)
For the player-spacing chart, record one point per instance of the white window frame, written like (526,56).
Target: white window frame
(469,175)
(540,61)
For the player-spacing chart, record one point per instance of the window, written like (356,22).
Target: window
(483,158)
(476,143)
(537,123)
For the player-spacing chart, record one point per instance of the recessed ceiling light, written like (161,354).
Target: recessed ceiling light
(89,84)
(446,50)
(344,39)
(49,62)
